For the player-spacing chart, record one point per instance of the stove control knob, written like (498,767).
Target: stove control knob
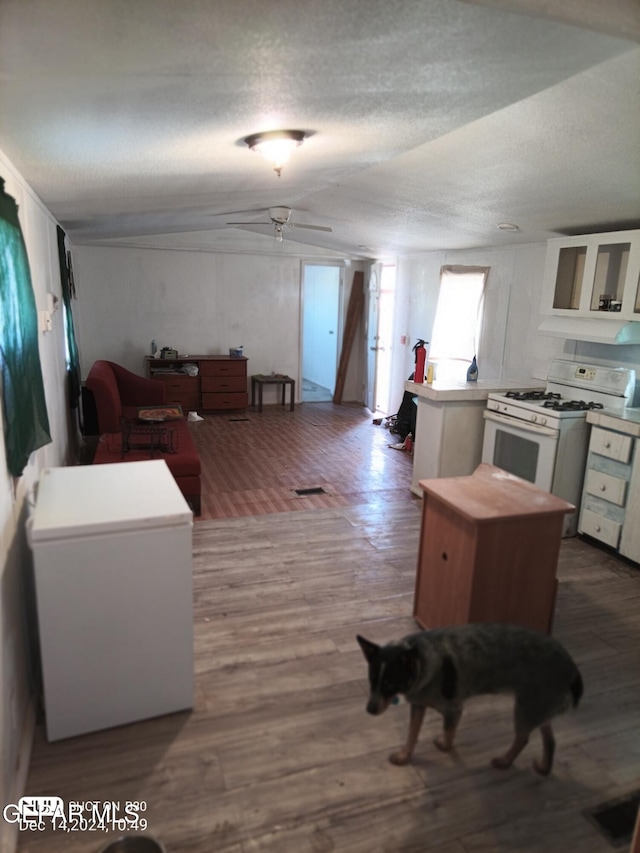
(534,418)
(543,421)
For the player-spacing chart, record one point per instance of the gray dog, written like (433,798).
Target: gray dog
(444,667)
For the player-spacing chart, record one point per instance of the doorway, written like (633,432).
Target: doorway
(321,291)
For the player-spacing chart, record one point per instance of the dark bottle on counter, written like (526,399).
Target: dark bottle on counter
(472,372)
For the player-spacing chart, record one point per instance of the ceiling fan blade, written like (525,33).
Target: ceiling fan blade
(249,223)
(256,210)
(310,227)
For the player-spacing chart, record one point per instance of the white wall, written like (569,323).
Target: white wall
(196,302)
(17,637)
(510,347)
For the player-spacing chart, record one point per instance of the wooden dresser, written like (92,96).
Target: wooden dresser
(221,382)
(489,547)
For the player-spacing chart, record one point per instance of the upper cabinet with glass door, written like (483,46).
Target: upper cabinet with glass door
(595,276)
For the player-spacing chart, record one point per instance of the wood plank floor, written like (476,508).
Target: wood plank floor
(278,755)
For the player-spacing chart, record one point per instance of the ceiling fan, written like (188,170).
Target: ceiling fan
(281,218)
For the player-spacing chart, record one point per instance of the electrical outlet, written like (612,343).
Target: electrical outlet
(403,340)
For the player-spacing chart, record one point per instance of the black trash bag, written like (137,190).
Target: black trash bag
(404,422)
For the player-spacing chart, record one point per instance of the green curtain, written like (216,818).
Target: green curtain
(24,410)
(74,377)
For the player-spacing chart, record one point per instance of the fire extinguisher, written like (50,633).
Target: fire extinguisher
(420,349)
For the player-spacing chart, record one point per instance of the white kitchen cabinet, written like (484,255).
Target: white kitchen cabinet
(593,276)
(611,496)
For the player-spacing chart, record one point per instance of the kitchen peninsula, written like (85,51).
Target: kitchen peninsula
(450,426)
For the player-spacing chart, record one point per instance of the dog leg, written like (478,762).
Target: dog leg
(548,748)
(403,755)
(519,743)
(451,720)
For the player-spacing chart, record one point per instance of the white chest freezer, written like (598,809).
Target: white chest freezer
(112,548)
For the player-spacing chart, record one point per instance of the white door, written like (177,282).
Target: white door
(386,310)
(373,308)
(380,311)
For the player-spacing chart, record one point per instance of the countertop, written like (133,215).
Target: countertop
(443,390)
(627,422)
(491,494)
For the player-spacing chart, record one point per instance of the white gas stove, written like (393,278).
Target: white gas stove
(572,390)
(542,436)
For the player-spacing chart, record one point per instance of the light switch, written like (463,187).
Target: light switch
(46,324)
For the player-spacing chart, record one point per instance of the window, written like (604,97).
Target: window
(456,330)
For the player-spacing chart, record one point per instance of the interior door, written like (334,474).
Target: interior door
(372,337)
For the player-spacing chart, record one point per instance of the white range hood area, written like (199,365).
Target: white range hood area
(599,331)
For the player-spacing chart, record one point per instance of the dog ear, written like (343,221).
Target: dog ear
(369,649)
(449,678)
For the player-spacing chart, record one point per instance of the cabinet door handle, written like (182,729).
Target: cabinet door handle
(607,444)
(598,528)
(603,488)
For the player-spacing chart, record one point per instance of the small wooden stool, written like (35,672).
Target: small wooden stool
(260,380)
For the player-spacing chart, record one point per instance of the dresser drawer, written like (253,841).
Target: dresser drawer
(216,384)
(607,487)
(224,367)
(611,444)
(182,389)
(601,528)
(225,401)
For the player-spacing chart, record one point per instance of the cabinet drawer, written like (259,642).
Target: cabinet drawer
(611,444)
(182,389)
(215,384)
(188,402)
(224,367)
(601,528)
(182,385)
(613,489)
(225,401)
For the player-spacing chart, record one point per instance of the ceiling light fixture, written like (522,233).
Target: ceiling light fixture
(508,226)
(276,145)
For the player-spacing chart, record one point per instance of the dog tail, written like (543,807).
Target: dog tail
(576,687)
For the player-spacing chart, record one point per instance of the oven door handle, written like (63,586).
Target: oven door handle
(514,423)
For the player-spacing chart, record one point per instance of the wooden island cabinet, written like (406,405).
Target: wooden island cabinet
(489,547)
(219,385)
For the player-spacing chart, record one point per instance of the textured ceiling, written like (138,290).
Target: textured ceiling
(430,121)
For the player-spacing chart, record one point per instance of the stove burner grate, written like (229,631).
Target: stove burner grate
(533,395)
(571,405)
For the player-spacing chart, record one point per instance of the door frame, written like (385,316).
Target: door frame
(315,262)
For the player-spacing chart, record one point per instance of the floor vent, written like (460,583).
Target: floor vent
(234,420)
(316,490)
(616,819)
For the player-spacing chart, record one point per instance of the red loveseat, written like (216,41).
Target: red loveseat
(117,393)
